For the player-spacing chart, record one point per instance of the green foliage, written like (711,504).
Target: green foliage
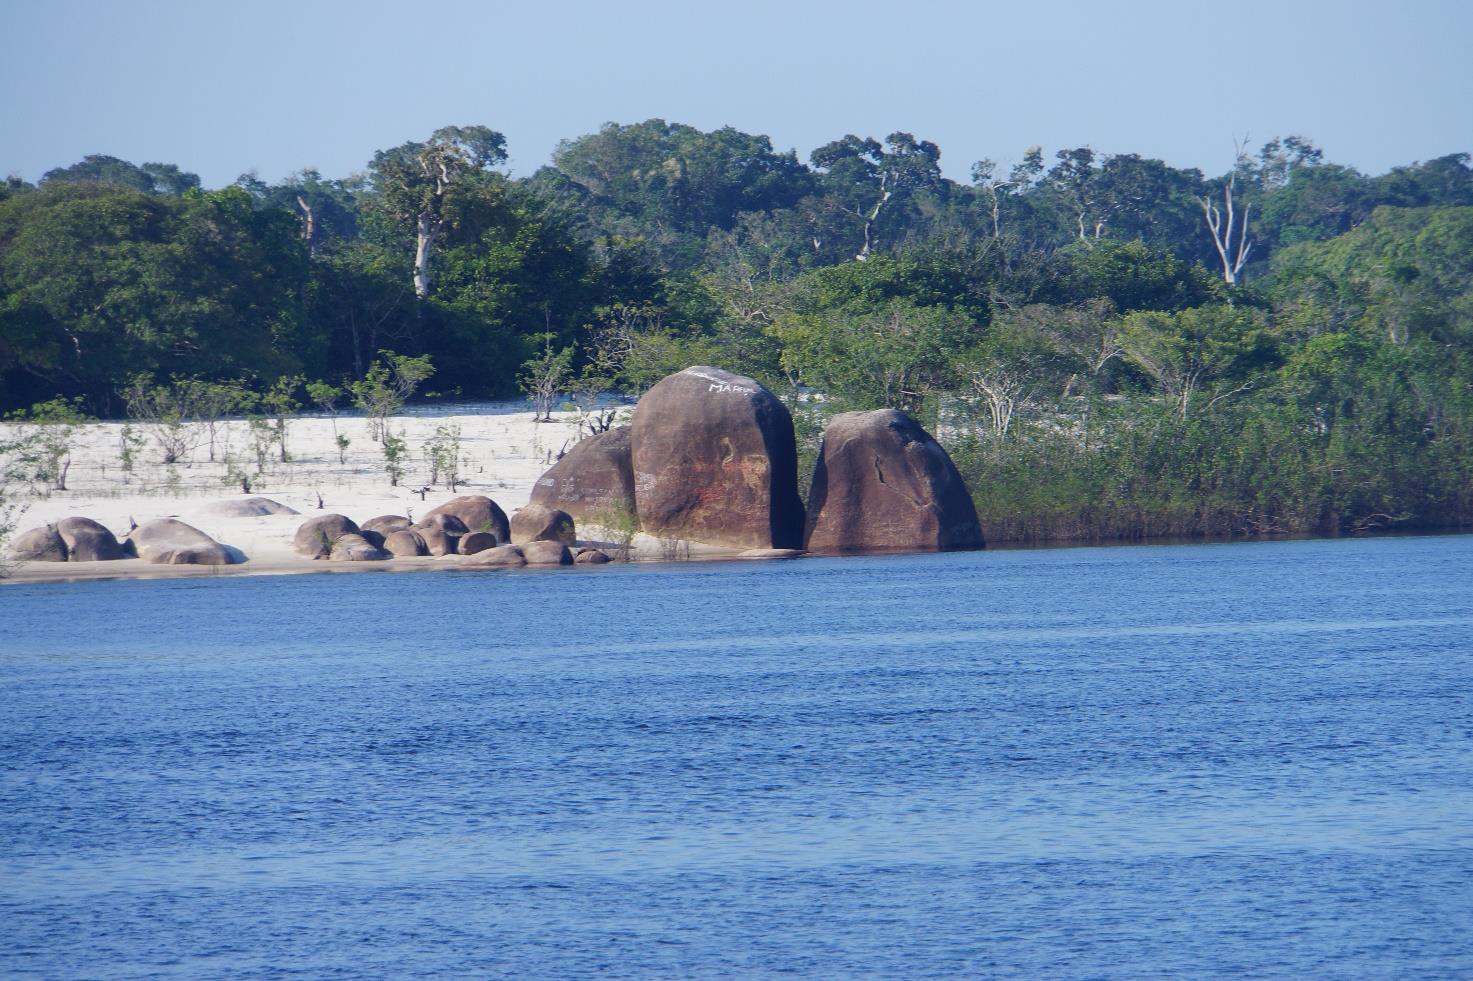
(394,448)
(1063,324)
(389,383)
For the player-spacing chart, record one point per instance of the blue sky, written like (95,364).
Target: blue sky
(224,88)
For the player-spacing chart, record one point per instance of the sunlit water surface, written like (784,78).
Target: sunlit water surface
(1157,761)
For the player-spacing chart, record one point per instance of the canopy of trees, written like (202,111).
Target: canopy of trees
(1110,345)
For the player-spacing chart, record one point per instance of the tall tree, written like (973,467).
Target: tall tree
(419,183)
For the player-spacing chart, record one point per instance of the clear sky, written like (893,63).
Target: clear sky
(222,88)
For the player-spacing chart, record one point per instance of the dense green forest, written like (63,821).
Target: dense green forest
(1110,347)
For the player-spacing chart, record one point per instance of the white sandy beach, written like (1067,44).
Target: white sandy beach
(503,452)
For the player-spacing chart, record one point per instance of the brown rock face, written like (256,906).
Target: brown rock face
(883,484)
(546,553)
(715,461)
(316,536)
(501,555)
(170,542)
(537,522)
(441,532)
(591,556)
(477,513)
(356,548)
(477,541)
(405,544)
(595,479)
(41,544)
(88,541)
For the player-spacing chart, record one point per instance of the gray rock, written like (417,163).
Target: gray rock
(167,541)
(316,536)
(477,541)
(442,532)
(41,544)
(546,553)
(405,543)
(501,555)
(478,513)
(249,507)
(88,541)
(386,524)
(537,522)
(591,556)
(356,548)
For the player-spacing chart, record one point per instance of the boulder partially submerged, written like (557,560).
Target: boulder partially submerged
(883,484)
(500,556)
(168,541)
(546,553)
(538,522)
(715,461)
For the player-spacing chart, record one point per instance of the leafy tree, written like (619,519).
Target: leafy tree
(389,383)
(867,176)
(423,185)
(1199,349)
(151,178)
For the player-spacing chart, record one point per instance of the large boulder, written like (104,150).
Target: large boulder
(591,556)
(167,541)
(88,541)
(441,532)
(594,482)
(477,512)
(405,543)
(883,484)
(715,461)
(248,507)
(41,544)
(477,541)
(546,553)
(385,524)
(316,536)
(356,548)
(501,555)
(538,522)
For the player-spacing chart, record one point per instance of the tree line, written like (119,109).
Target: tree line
(1110,346)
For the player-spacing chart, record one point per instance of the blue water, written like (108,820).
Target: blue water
(1135,762)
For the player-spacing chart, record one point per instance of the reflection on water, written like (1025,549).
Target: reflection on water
(1095,762)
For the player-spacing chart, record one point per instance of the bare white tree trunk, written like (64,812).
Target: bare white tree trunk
(1233,256)
(427,230)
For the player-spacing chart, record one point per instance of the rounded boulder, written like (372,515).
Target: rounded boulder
(537,522)
(167,541)
(593,482)
(42,544)
(88,541)
(478,513)
(883,484)
(715,461)
(546,553)
(316,536)
(405,543)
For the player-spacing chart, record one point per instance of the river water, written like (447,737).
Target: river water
(1128,762)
